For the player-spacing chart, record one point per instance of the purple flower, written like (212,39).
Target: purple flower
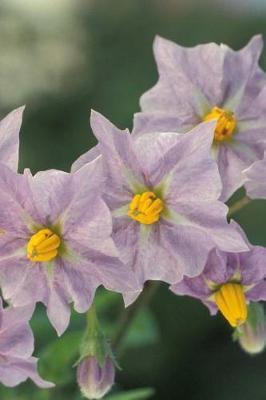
(95,381)
(9,138)
(229,281)
(255,179)
(16,347)
(162,190)
(55,244)
(208,82)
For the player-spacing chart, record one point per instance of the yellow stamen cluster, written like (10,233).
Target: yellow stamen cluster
(145,208)
(43,246)
(225,126)
(230,300)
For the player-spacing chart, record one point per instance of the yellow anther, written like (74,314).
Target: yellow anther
(225,126)
(43,246)
(230,300)
(145,208)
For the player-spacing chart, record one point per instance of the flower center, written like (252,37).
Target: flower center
(145,208)
(225,126)
(43,245)
(230,300)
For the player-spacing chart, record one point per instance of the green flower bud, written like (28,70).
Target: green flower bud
(252,334)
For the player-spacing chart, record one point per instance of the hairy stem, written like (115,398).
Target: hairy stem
(131,312)
(238,205)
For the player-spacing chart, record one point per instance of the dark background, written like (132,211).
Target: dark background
(61,58)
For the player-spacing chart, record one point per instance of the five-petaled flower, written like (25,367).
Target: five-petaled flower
(165,222)
(211,82)
(55,244)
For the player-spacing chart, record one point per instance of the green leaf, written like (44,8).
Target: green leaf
(138,394)
(143,331)
(106,300)
(57,359)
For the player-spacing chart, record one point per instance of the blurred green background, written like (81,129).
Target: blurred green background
(63,57)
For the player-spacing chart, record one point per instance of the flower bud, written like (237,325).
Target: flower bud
(252,335)
(95,381)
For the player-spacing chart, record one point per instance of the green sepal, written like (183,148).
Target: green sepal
(94,343)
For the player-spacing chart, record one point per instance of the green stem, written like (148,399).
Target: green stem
(94,342)
(238,205)
(129,314)
(92,320)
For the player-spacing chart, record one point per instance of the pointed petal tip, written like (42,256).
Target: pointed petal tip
(204,129)
(160,41)
(20,108)
(45,384)
(256,44)
(14,117)
(157,40)
(97,119)
(96,114)
(16,112)
(92,112)
(60,327)
(258,37)
(59,319)
(130,297)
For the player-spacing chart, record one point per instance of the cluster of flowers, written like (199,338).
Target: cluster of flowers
(146,205)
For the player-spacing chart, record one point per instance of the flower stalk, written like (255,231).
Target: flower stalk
(96,365)
(128,315)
